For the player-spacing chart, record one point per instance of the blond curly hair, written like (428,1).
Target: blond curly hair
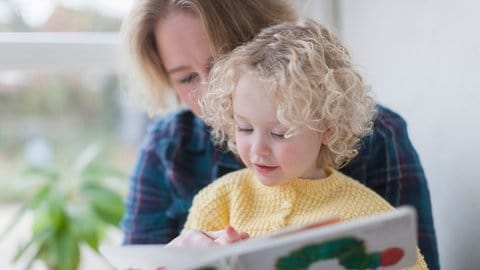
(309,74)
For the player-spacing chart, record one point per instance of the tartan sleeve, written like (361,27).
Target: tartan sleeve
(146,219)
(394,171)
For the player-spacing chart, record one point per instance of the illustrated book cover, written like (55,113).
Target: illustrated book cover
(383,241)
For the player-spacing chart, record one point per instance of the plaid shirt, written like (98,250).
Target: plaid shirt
(177,159)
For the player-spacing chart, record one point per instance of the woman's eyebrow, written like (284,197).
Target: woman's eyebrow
(236,115)
(210,62)
(176,69)
(181,68)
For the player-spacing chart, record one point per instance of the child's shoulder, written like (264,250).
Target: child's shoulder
(348,180)
(362,191)
(225,186)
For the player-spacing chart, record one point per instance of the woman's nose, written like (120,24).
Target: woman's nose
(199,89)
(202,87)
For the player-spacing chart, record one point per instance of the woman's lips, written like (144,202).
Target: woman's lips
(264,169)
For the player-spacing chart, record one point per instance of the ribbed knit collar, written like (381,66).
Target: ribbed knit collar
(332,181)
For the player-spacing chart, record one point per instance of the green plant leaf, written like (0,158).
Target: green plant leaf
(103,172)
(106,203)
(36,240)
(67,252)
(18,216)
(86,157)
(107,177)
(33,259)
(30,181)
(87,227)
(69,209)
(40,172)
(51,215)
(40,196)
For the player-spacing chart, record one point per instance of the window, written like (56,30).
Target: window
(59,86)
(60,92)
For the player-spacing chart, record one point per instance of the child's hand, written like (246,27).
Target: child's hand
(192,238)
(228,236)
(212,238)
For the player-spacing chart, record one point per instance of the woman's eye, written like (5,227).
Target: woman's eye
(190,78)
(246,130)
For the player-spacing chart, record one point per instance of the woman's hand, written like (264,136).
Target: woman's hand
(212,238)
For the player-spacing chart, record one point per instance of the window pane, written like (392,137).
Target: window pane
(62,15)
(46,119)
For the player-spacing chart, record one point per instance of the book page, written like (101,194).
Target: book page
(384,241)
(151,257)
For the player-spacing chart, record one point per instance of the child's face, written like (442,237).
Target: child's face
(260,142)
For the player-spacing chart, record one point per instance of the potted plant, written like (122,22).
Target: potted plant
(69,208)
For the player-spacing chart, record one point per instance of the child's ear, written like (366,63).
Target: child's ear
(326,136)
(324,139)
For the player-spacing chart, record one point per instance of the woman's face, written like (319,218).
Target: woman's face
(182,44)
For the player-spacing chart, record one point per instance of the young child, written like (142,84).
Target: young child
(294,109)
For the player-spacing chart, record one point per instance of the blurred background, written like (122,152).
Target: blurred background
(61,91)
(62,101)
(59,82)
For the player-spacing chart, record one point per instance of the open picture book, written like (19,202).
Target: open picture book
(384,241)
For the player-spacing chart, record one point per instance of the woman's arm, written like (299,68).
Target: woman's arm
(146,219)
(388,163)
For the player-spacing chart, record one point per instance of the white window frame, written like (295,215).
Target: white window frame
(59,51)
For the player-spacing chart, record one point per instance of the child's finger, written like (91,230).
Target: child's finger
(215,234)
(244,235)
(234,234)
(192,238)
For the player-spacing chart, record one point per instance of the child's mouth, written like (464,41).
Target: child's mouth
(262,169)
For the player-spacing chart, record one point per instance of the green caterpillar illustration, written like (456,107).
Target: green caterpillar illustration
(349,251)
(206,268)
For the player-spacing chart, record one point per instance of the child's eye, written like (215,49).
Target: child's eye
(190,78)
(278,135)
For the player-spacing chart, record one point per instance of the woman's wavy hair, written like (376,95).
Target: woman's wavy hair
(309,75)
(228,24)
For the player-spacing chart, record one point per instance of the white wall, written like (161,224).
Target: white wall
(422,58)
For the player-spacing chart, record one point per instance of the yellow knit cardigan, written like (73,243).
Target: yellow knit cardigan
(238,199)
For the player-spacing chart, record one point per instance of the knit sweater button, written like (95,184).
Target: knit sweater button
(286,204)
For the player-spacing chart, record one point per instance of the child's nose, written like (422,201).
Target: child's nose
(261,148)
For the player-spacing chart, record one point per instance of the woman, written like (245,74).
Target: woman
(173,44)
